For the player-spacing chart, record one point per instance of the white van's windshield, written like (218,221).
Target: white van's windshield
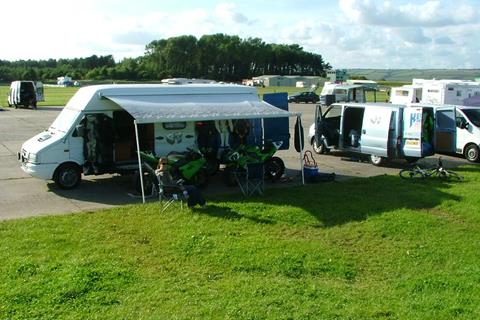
(473,115)
(65,120)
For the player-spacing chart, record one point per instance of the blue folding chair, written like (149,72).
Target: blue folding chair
(251,179)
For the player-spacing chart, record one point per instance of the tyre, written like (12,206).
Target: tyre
(454,176)
(450,175)
(200,179)
(377,160)
(472,153)
(68,176)
(319,148)
(411,174)
(274,168)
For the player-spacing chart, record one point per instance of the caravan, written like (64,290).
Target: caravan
(380,130)
(102,128)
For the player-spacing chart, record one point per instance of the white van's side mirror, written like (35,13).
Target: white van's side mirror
(464,125)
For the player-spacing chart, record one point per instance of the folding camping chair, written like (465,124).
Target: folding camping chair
(251,179)
(168,194)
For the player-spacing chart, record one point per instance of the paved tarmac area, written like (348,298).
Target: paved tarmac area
(24,196)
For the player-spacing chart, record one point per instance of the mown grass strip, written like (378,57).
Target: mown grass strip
(368,248)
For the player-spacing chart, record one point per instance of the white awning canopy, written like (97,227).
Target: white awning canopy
(173,108)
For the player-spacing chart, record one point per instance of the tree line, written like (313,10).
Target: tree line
(218,57)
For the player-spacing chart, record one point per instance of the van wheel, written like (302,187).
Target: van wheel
(377,160)
(67,176)
(319,148)
(472,153)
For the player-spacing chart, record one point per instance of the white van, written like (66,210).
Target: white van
(381,130)
(25,93)
(467,128)
(95,132)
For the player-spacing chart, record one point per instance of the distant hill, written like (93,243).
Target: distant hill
(409,74)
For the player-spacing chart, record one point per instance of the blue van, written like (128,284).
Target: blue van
(382,131)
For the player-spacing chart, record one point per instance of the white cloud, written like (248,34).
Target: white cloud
(443,40)
(356,33)
(432,13)
(413,35)
(227,13)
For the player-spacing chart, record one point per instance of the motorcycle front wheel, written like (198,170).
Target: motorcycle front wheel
(274,168)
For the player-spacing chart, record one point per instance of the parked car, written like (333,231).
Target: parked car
(304,97)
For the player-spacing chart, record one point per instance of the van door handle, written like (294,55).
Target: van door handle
(364,131)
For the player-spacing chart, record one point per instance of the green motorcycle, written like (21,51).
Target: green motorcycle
(189,166)
(239,158)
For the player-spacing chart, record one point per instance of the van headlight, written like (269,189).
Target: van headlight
(33,158)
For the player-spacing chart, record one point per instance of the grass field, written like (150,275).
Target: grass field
(373,248)
(54,96)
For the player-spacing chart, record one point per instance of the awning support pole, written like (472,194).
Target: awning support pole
(299,120)
(263,132)
(139,160)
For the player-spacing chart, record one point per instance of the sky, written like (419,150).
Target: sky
(347,33)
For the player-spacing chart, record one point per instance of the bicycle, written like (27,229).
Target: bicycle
(418,173)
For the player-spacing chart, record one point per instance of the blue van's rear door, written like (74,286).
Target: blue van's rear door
(376,131)
(277,129)
(445,130)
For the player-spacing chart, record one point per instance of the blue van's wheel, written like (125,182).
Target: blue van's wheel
(67,176)
(377,160)
(319,148)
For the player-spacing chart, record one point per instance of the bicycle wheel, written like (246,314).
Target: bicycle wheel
(450,175)
(411,174)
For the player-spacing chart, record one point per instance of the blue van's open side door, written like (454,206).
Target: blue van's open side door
(277,129)
(377,129)
(445,130)
(418,132)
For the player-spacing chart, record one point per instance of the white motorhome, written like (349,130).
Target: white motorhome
(466,129)
(338,92)
(381,130)
(406,94)
(96,133)
(435,91)
(25,93)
